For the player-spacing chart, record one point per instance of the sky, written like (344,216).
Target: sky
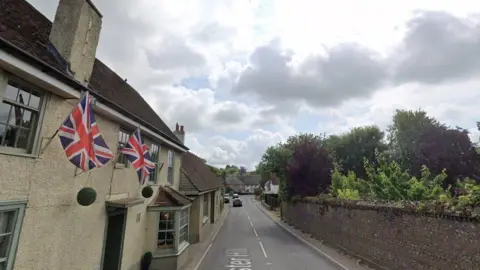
(242,75)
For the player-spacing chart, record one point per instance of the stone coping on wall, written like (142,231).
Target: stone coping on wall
(431,209)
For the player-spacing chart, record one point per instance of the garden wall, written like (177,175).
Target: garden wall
(390,237)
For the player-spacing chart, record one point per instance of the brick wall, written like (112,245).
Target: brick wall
(390,238)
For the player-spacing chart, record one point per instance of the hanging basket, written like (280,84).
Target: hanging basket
(86,196)
(147,192)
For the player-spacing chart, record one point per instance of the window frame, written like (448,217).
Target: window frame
(153,177)
(19,212)
(170,167)
(178,245)
(187,223)
(122,160)
(206,215)
(34,140)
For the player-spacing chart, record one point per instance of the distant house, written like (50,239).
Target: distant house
(270,191)
(271,186)
(235,183)
(251,182)
(202,186)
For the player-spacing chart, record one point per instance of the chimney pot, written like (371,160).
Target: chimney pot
(179,133)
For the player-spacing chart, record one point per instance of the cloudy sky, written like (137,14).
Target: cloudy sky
(241,75)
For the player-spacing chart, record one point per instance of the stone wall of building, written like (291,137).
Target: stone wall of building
(388,237)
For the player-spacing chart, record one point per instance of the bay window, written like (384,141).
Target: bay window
(173,230)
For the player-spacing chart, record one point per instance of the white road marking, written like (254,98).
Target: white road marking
(256,234)
(264,253)
(255,231)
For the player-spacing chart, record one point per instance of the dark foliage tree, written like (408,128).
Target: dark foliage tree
(242,170)
(439,147)
(309,171)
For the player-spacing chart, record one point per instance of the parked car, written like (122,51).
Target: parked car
(235,196)
(226,198)
(237,203)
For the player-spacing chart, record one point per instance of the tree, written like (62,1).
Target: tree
(242,171)
(351,147)
(404,134)
(439,148)
(309,170)
(215,170)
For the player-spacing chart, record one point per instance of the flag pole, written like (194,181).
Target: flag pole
(56,132)
(48,142)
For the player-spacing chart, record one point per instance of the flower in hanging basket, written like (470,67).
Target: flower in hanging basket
(86,196)
(147,192)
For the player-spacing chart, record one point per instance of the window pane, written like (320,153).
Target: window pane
(23,97)
(28,119)
(165,240)
(34,100)
(6,229)
(162,225)
(22,138)
(2,132)
(6,113)
(11,92)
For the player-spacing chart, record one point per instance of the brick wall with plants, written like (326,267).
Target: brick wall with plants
(407,197)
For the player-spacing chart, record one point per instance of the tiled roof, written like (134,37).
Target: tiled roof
(167,196)
(233,180)
(200,176)
(250,179)
(27,29)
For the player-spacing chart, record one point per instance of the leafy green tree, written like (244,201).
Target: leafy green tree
(351,147)
(404,133)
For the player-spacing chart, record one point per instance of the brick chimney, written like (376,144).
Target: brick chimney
(75,33)
(180,133)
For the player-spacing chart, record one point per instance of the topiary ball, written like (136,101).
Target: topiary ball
(147,192)
(86,196)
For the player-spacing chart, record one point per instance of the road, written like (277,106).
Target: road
(250,240)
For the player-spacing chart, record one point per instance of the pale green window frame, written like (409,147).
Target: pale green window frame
(155,155)
(34,140)
(10,235)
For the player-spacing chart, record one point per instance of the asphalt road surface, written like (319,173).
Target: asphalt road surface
(250,240)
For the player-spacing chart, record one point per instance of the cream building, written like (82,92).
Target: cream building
(44,67)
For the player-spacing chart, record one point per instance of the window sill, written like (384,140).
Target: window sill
(119,166)
(171,253)
(205,219)
(6,152)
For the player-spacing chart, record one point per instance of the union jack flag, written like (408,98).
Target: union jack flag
(81,138)
(137,153)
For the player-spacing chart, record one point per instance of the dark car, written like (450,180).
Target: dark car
(226,199)
(237,203)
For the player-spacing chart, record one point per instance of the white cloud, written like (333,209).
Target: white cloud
(350,63)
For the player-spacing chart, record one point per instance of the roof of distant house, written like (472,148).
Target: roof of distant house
(199,177)
(233,180)
(251,180)
(25,31)
(167,196)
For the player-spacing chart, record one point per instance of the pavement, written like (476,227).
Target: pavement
(251,239)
